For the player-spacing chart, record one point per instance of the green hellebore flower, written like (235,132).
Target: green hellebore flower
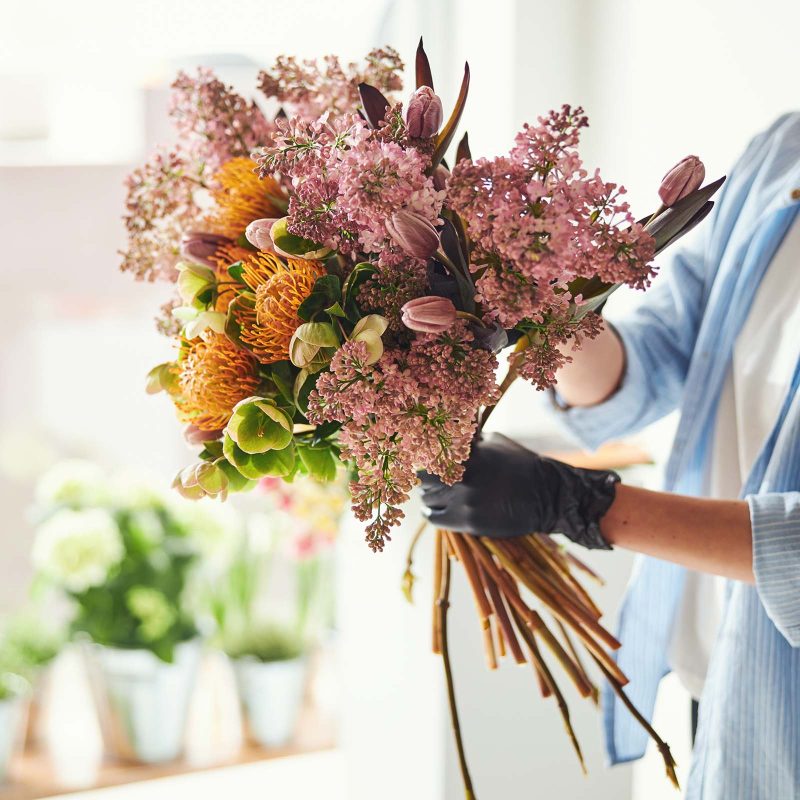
(289,244)
(258,425)
(193,280)
(162,378)
(369,330)
(313,344)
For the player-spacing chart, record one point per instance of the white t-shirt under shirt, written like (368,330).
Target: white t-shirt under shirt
(764,359)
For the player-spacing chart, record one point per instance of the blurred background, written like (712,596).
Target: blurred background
(296,669)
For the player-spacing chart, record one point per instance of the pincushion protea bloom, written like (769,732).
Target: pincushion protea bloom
(240,197)
(214,375)
(278,287)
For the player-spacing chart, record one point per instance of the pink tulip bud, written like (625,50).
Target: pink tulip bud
(440,176)
(195,435)
(413,233)
(199,247)
(257,234)
(424,113)
(686,176)
(429,314)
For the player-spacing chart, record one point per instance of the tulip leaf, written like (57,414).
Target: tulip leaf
(671,221)
(423,67)
(694,221)
(463,151)
(449,130)
(375,105)
(451,246)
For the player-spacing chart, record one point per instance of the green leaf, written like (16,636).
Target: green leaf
(236,270)
(320,461)
(361,272)
(336,311)
(327,291)
(324,431)
(282,376)
(289,243)
(236,481)
(243,241)
(253,466)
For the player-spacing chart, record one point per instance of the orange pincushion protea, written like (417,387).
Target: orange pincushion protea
(241,196)
(267,326)
(214,375)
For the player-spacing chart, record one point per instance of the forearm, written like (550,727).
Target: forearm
(712,536)
(595,371)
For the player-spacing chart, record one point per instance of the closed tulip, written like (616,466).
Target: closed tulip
(686,176)
(258,234)
(424,113)
(429,314)
(413,233)
(199,247)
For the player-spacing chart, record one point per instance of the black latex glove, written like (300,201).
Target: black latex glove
(509,491)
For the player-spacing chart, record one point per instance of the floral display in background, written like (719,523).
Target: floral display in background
(123,553)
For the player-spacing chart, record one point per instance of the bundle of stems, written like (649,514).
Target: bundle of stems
(497,571)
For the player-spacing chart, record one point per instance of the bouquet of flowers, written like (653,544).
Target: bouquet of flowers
(344,293)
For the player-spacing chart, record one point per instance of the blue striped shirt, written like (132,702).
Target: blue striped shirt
(679,345)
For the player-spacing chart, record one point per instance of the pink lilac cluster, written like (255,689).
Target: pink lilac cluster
(346,182)
(538,221)
(215,122)
(416,408)
(390,288)
(161,204)
(309,89)
(545,354)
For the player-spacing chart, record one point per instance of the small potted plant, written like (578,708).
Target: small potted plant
(272,603)
(32,642)
(123,554)
(14,692)
(270,663)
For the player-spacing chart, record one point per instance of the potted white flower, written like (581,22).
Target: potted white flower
(123,554)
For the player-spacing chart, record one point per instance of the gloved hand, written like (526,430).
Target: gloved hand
(508,490)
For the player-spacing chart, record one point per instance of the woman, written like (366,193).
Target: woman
(719,338)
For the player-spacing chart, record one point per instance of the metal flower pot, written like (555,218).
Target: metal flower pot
(12,719)
(142,702)
(272,696)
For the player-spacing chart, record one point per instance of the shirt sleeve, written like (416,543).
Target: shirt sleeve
(775,519)
(659,338)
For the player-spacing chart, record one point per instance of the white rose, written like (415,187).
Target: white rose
(76,549)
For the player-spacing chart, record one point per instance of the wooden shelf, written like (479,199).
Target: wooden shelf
(32,774)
